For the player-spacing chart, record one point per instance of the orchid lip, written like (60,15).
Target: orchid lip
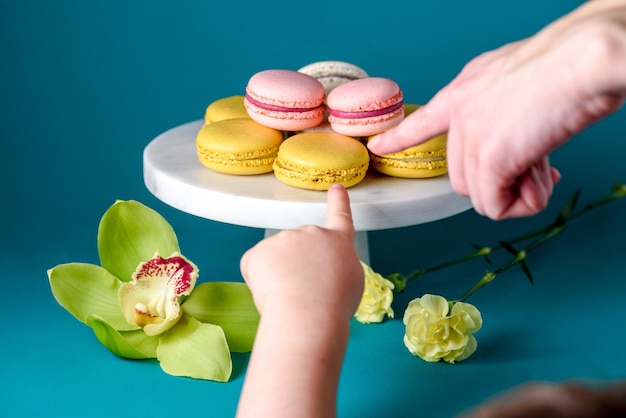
(151,299)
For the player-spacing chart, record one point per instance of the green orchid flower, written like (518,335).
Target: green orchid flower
(141,305)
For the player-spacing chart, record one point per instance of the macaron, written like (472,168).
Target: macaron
(333,73)
(365,107)
(317,160)
(285,100)
(238,146)
(425,160)
(226,108)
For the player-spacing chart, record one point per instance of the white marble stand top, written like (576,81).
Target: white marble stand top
(173,173)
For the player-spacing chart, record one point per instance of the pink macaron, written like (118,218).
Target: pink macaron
(364,107)
(284,99)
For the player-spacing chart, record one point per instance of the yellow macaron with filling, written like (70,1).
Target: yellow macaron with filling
(226,108)
(317,160)
(238,146)
(425,160)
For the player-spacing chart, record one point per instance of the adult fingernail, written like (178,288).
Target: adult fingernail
(540,183)
(556,175)
(373,141)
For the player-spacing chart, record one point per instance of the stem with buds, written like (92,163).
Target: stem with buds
(544,235)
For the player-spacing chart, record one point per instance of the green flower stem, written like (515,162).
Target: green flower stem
(481,252)
(486,279)
(545,234)
(519,257)
(618,192)
(549,232)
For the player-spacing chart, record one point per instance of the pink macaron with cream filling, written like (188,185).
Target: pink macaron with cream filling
(364,107)
(284,99)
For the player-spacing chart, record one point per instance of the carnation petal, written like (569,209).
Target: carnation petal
(433,335)
(377,297)
(463,353)
(437,305)
(473,318)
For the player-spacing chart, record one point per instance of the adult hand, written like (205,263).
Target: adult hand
(540,399)
(509,108)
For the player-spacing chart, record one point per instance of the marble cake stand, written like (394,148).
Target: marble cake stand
(173,174)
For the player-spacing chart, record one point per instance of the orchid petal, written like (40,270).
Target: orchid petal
(196,350)
(151,299)
(229,305)
(86,289)
(127,344)
(130,233)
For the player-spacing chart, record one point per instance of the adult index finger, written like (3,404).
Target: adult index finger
(425,123)
(339,214)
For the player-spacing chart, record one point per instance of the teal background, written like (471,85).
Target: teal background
(85,86)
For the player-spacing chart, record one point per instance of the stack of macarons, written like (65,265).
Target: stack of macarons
(308,126)
(357,105)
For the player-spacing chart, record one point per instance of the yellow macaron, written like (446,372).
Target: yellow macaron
(238,146)
(226,108)
(425,160)
(317,160)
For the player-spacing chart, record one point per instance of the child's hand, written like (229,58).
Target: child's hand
(309,270)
